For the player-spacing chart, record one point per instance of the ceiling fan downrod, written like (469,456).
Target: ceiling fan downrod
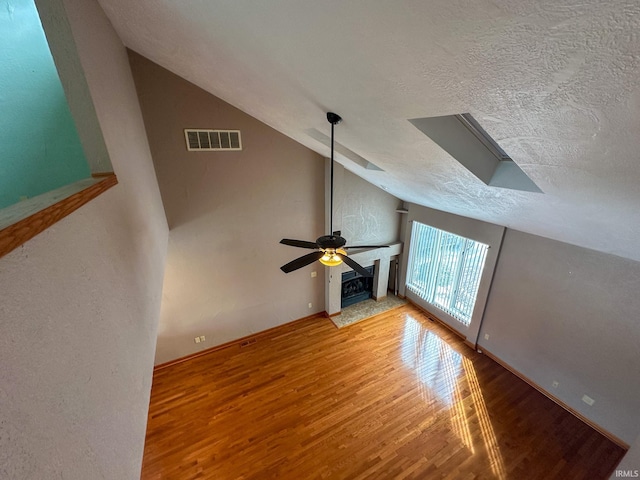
(333,119)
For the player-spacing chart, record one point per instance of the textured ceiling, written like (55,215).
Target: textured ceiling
(554,82)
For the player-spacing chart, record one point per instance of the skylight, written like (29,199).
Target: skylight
(462,137)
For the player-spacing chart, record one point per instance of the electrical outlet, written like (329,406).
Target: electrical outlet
(202,338)
(197,339)
(310,305)
(314,274)
(555,384)
(486,336)
(588,400)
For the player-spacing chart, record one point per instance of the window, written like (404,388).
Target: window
(445,269)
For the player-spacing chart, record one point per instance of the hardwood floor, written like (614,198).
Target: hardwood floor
(397,396)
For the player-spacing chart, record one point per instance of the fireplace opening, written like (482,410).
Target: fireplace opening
(356,288)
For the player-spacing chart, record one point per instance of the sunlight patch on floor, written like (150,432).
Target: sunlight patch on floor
(438,368)
(442,372)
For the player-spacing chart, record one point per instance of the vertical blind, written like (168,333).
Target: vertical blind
(445,269)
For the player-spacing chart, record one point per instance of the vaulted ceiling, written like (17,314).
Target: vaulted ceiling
(555,82)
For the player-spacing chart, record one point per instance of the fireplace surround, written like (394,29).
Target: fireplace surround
(378,257)
(355,287)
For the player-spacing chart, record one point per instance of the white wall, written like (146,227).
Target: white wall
(566,313)
(80,302)
(228,212)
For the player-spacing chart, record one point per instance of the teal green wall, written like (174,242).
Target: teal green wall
(39,146)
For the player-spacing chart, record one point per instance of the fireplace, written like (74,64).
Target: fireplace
(355,287)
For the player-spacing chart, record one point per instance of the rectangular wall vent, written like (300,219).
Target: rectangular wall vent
(212,140)
(246,343)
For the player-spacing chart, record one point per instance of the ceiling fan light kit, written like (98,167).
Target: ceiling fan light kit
(331,249)
(331,258)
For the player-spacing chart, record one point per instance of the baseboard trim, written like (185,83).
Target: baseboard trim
(556,400)
(232,343)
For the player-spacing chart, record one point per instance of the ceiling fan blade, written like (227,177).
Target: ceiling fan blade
(366,246)
(299,243)
(355,265)
(303,261)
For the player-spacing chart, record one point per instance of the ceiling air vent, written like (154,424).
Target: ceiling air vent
(212,140)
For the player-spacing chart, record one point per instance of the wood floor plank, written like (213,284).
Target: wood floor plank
(397,396)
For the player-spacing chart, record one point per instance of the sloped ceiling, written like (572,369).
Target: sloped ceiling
(554,82)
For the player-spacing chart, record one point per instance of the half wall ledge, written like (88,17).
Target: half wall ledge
(23,221)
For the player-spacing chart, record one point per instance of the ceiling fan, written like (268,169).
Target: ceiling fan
(329,249)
